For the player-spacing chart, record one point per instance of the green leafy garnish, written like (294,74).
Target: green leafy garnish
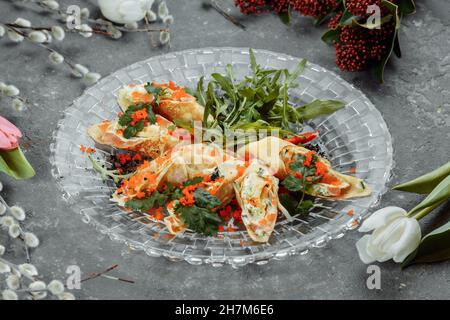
(156,199)
(126,119)
(199,219)
(205,199)
(259,101)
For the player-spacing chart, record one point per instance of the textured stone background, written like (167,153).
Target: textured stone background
(414,102)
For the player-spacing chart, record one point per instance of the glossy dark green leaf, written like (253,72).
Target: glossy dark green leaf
(346,18)
(14,164)
(393,9)
(331,36)
(319,108)
(426,183)
(286,16)
(378,69)
(434,247)
(407,6)
(396,48)
(440,193)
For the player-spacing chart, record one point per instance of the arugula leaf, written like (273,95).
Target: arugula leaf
(205,199)
(319,108)
(199,219)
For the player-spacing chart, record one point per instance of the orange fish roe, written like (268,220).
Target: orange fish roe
(221,228)
(308,158)
(123,158)
(188,192)
(352,170)
(321,168)
(82,148)
(330,179)
(350,212)
(140,195)
(87,150)
(138,116)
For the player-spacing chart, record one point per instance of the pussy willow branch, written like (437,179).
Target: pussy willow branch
(70,64)
(233,20)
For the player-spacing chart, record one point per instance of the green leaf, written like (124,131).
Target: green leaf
(427,182)
(14,164)
(293,184)
(204,199)
(378,70)
(193,181)
(434,247)
(253,63)
(198,219)
(155,200)
(393,8)
(286,16)
(319,108)
(156,91)
(440,193)
(331,36)
(407,6)
(296,73)
(347,18)
(367,25)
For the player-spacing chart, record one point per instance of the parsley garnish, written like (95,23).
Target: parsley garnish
(126,119)
(156,199)
(199,219)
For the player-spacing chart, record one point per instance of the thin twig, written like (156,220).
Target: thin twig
(227,16)
(103,274)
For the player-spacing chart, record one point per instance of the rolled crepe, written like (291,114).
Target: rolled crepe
(175,104)
(152,141)
(257,194)
(277,154)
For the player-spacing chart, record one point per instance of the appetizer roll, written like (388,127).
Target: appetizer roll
(304,170)
(169,100)
(153,140)
(257,194)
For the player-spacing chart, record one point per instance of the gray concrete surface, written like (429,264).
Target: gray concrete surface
(414,102)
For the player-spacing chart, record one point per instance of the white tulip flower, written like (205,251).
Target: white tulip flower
(395,236)
(56,287)
(31,240)
(14,36)
(123,11)
(22,22)
(28,269)
(163,11)
(58,33)
(2,31)
(9,294)
(18,213)
(37,37)
(13,282)
(55,58)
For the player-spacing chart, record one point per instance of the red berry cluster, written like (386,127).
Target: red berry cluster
(262,6)
(358,47)
(359,7)
(314,8)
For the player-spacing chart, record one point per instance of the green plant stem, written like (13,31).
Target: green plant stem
(422,213)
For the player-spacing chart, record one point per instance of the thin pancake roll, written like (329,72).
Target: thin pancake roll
(279,156)
(257,195)
(153,140)
(174,103)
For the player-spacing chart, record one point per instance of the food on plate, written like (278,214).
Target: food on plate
(304,170)
(168,99)
(204,187)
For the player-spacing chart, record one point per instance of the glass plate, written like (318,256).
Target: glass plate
(356,140)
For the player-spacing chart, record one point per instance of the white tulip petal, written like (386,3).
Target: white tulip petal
(408,242)
(131,11)
(381,217)
(9,295)
(361,246)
